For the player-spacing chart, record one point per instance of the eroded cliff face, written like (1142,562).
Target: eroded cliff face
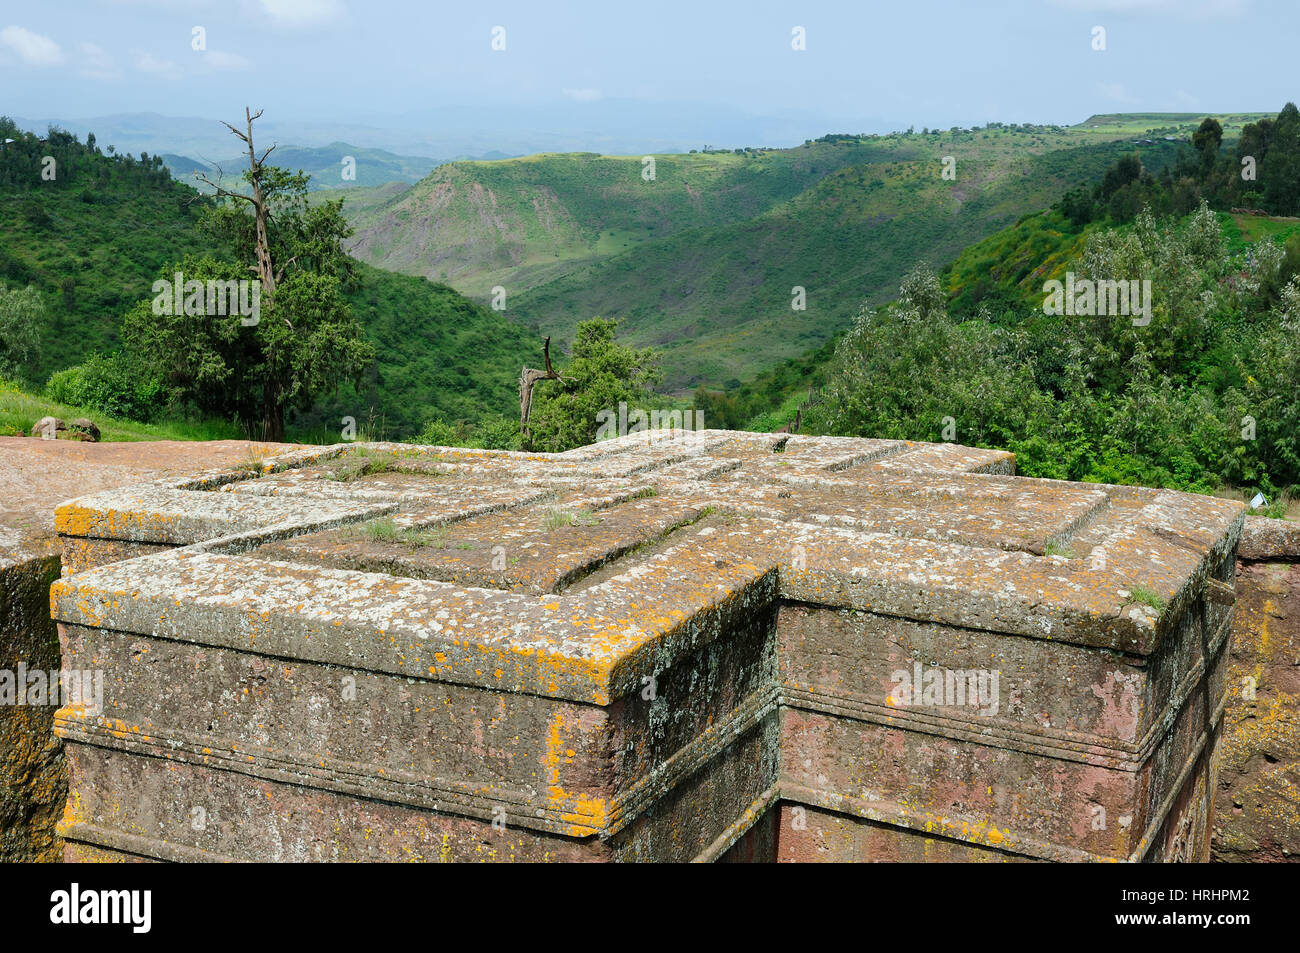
(1257,816)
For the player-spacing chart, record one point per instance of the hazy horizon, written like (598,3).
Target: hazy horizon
(412,79)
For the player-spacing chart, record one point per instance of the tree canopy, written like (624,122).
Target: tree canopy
(305,341)
(600,375)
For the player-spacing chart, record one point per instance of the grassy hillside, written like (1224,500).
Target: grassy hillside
(723,313)
(19,409)
(1007,269)
(521,222)
(701,260)
(94,240)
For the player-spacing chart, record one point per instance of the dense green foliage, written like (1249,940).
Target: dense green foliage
(22,313)
(91,239)
(438,356)
(116,384)
(578,409)
(1202,396)
(1261,172)
(601,374)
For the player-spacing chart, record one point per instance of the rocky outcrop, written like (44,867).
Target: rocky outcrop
(48,428)
(641,650)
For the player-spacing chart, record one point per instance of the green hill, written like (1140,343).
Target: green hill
(438,355)
(719,300)
(94,239)
(702,260)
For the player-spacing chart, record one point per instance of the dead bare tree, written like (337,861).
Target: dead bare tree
(528,378)
(261,210)
(273,418)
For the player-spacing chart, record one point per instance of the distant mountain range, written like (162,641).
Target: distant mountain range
(624,127)
(339,165)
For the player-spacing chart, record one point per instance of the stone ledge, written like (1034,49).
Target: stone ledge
(1265,539)
(621,563)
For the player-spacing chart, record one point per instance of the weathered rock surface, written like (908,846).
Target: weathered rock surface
(48,428)
(1258,802)
(35,476)
(649,649)
(85,429)
(1269,539)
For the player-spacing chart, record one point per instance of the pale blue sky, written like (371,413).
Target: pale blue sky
(575,67)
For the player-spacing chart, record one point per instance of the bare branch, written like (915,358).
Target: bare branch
(280,271)
(234,130)
(223,192)
(528,378)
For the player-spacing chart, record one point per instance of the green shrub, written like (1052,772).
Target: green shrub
(113,385)
(438,433)
(496,432)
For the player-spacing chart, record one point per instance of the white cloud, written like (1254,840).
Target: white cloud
(303,12)
(96,63)
(32,48)
(220,59)
(583,95)
(148,63)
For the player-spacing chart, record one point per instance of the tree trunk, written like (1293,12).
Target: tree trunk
(265,268)
(528,378)
(272,414)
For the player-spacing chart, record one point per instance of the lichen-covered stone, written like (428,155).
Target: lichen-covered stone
(1257,814)
(654,648)
(35,476)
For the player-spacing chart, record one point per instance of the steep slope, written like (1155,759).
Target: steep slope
(719,300)
(522,222)
(438,355)
(702,260)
